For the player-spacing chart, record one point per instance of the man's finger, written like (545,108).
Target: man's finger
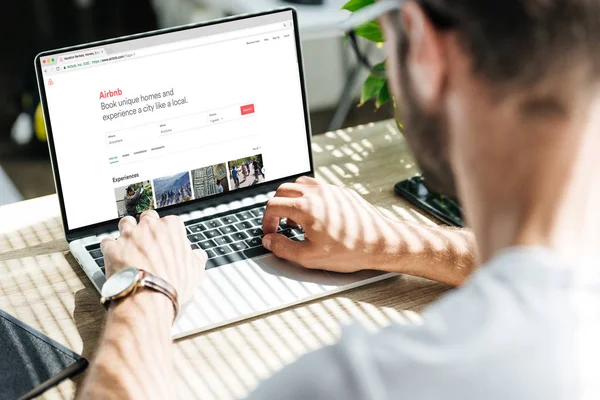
(126,224)
(282,207)
(106,244)
(292,190)
(286,248)
(289,190)
(307,180)
(292,223)
(149,214)
(201,256)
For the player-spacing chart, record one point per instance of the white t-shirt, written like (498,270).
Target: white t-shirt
(524,327)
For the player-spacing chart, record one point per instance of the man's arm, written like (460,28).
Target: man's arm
(344,233)
(438,253)
(134,357)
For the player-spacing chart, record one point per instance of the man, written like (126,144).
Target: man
(255,168)
(500,101)
(132,198)
(219,186)
(261,168)
(235,177)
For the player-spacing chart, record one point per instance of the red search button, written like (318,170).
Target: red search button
(249,109)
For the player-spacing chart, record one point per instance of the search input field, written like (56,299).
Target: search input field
(155,131)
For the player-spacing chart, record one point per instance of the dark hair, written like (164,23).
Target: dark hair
(523,41)
(129,188)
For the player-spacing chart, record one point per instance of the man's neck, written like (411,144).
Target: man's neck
(547,195)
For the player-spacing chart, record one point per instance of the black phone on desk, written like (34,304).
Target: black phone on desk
(438,206)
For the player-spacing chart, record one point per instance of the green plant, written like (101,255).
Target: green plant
(376,85)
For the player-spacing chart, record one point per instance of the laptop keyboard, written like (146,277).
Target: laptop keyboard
(226,238)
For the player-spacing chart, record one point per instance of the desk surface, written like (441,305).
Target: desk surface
(42,284)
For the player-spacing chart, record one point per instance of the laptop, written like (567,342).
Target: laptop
(203,121)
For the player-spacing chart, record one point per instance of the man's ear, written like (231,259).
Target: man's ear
(425,61)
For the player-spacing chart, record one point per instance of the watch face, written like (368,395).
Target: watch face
(120,282)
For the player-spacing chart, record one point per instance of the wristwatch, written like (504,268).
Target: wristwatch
(128,281)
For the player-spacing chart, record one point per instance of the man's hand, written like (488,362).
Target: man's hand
(343,231)
(159,246)
(135,357)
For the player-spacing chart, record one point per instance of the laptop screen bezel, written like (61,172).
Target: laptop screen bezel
(108,226)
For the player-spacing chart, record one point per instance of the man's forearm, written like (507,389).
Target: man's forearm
(134,358)
(442,254)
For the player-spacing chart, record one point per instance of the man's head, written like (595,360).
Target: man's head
(457,67)
(130,190)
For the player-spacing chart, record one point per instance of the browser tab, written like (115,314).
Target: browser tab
(82,55)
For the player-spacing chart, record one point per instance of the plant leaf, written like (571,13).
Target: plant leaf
(380,67)
(371,88)
(370,31)
(383,96)
(354,5)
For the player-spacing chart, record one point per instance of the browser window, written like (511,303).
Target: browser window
(162,120)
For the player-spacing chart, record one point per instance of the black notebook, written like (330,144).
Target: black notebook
(30,362)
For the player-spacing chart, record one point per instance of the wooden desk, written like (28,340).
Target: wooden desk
(42,285)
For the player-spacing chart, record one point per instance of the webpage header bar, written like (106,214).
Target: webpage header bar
(188,34)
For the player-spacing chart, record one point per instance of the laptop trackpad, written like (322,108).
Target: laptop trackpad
(274,280)
(275,266)
(249,287)
(289,271)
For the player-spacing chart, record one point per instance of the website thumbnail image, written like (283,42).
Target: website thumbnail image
(171,190)
(208,181)
(133,199)
(248,171)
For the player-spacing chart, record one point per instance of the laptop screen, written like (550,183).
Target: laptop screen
(174,117)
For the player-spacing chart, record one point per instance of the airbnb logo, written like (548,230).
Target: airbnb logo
(50,82)
(110,93)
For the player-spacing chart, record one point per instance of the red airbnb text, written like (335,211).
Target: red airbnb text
(110,93)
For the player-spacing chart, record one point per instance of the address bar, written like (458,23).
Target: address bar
(92,62)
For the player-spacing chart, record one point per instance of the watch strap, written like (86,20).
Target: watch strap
(152,282)
(158,284)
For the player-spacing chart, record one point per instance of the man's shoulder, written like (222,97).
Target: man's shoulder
(505,334)
(489,339)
